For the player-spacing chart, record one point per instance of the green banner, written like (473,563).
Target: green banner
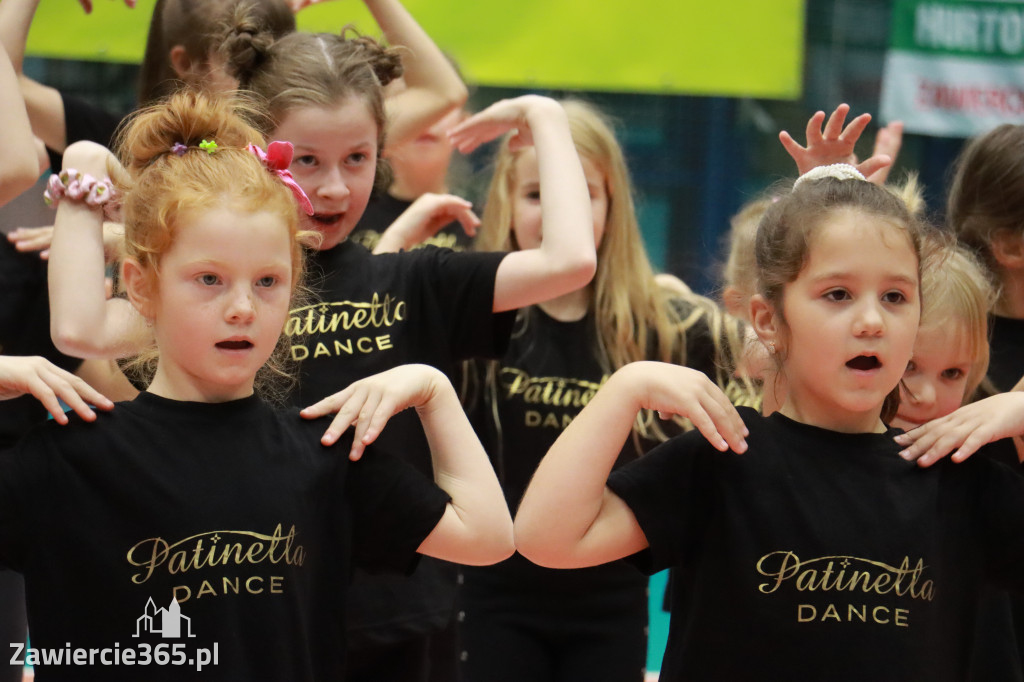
(731,48)
(987,30)
(954,68)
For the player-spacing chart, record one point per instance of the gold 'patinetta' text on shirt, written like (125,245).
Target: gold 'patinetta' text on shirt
(847,578)
(343,328)
(217,550)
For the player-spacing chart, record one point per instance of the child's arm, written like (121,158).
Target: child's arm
(20,166)
(422,220)
(565,260)
(34,375)
(43,103)
(476,528)
(568,517)
(433,86)
(966,429)
(83,321)
(836,143)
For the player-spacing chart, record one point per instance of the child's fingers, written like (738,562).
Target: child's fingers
(971,444)
(385,410)
(328,405)
(31,239)
(83,393)
(789,144)
(469,221)
(363,422)
(834,126)
(728,423)
(889,139)
(464,140)
(942,446)
(33,244)
(813,130)
(853,131)
(73,400)
(344,403)
(915,443)
(44,394)
(934,441)
(870,168)
(703,422)
(475,131)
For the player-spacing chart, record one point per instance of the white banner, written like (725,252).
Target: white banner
(955,69)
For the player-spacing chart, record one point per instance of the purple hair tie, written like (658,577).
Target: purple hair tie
(179,149)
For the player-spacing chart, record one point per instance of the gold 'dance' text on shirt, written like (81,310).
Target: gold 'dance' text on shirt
(214,549)
(550,392)
(851,575)
(323,323)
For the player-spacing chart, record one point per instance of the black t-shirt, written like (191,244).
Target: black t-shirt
(84,121)
(233,508)
(1006,348)
(549,373)
(818,555)
(430,306)
(25,330)
(384,209)
(372,313)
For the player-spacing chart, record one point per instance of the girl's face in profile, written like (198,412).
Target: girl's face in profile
(936,378)
(849,322)
(335,163)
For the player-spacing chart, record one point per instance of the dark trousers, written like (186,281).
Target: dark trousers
(603,639)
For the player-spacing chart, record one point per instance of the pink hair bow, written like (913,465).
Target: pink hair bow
(277,158)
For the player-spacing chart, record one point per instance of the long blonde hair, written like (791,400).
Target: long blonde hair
(634,316)
(957,292)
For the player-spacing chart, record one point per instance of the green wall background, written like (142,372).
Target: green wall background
(732,48)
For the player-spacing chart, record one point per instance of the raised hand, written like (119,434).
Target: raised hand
(23,375)
(888,142)
(501,117)
(369,403)
(422,220)
(833,144)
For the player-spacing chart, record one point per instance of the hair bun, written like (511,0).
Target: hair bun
(245,46)
(386,62)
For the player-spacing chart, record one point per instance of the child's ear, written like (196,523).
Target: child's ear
(764,321)
(180,61)
(1008,248)
(733,301)
(139,288)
